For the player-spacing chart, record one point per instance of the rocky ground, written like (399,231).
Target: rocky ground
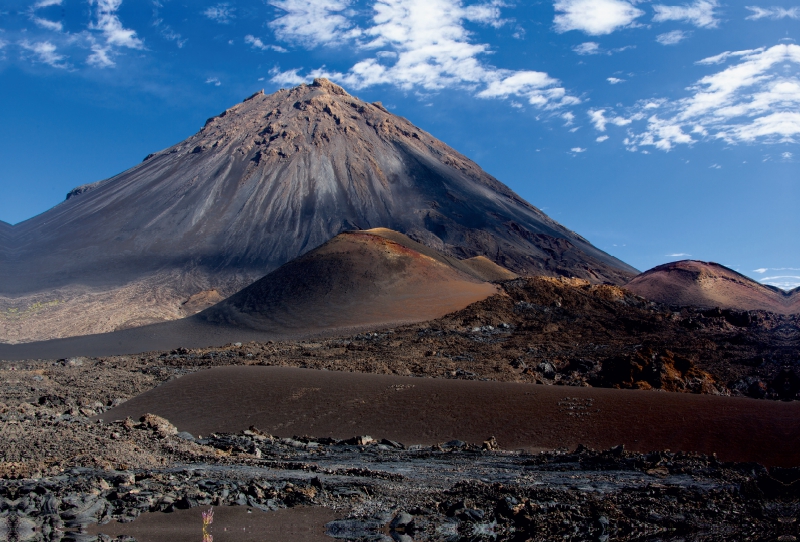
(59,471)
(382,491)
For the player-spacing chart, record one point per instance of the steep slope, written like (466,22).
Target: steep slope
(355,279)
(6,231)
(708,285)
(358,279)
(262,183)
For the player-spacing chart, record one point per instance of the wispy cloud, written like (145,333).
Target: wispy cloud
(213,81)
(587,48)
(701,13)
(47,24)
(600,120)
(755,99)
(773,13)
(114,34)
(679,255)
(222,13)
(615,80)
(45,52)
(601,138)
(256,43)
(111,27)
(595,17)
(672,38)
(417,44)
(314,22)
(577,150)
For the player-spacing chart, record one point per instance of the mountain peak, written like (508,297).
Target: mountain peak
(333,88)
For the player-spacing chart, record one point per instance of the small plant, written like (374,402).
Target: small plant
(208,519)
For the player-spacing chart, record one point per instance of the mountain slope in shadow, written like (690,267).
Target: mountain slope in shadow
(359,279)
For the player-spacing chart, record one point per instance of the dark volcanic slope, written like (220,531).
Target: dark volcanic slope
(355,279)
(276,176)
(6,230)
(709,285)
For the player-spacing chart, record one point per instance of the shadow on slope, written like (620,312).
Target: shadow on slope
(356,280)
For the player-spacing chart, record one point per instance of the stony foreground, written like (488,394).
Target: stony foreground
(379,489)
(62,472)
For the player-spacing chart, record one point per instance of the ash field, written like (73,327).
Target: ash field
(319,322)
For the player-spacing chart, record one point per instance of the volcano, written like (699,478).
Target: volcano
(711,285)
(261,184)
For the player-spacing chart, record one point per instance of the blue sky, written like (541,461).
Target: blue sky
(659,130)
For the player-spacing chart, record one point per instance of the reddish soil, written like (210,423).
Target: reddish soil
(355,279)
(710,285)
(287,401)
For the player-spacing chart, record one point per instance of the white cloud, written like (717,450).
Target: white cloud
(113,32)
(761,270)
(569,118)
(587,48)
(47,24)
(45,52)
(715,166)
(256,43)
(723,57)
(213,81)
(599,119)
(671,38)
(577,150)
(755,99)
(679,255)
(615,80)
(787,155)
(423,44)
(100,57)
(700,14)
(111,27)
(222,13)
(601,138)
(594,17)
(663,134)
(773,13)
(784,282)
(313,22)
